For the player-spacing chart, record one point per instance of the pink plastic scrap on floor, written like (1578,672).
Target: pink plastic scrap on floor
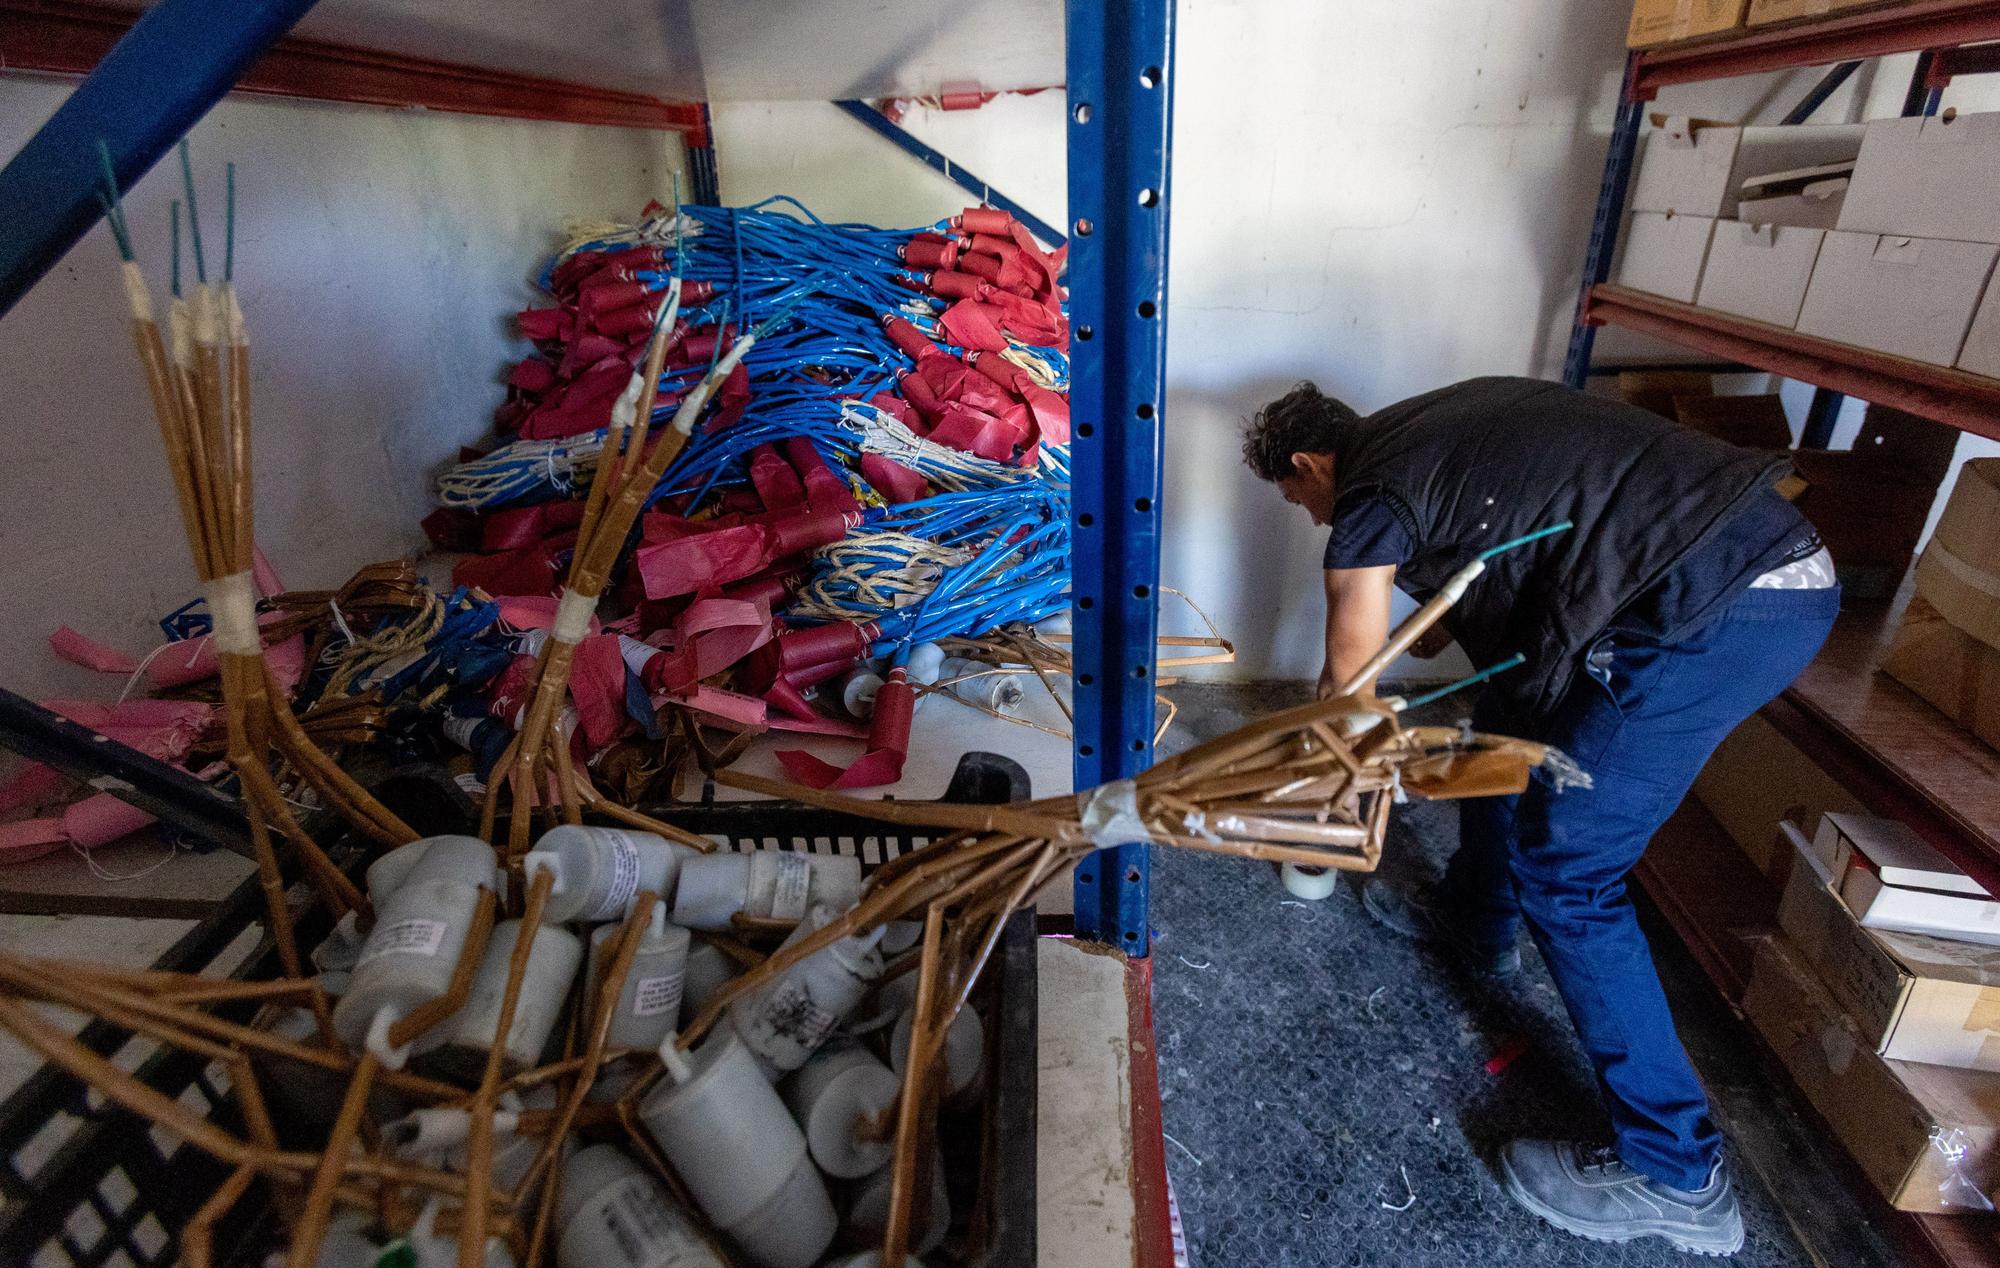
(1507,1054)
(78,649)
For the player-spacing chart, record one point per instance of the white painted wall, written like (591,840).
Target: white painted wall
(379,255)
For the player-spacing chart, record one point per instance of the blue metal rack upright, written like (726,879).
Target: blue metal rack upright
(160,79)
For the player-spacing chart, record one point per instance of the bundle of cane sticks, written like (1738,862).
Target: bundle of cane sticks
(1312,785)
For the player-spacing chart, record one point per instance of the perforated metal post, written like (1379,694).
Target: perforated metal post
(1120,115)
(1604,227)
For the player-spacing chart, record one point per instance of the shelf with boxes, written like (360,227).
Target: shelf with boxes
(1857,258)
(1680,43)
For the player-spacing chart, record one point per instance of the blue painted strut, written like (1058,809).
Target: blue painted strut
(941,162)
(154,85)
(1120,115)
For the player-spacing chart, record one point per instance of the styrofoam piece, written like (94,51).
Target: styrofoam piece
(868,1211)
(784,1020)
(611,1214)
(418,934)
(553,960)
(964,1049)
(709,969)
(600,871)
(1759,271)
(729,1137)
(1663,254)
(649,1004)
(831,1095)
(1910,297)
(771,884)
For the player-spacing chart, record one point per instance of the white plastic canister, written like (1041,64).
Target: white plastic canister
(832,1096)
(787,1018)
(611,1214)
(600,871)
(768,884)
(732,1142)
(418,934)
(553,960)
(649,1004)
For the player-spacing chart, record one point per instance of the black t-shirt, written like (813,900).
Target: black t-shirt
(1767,533)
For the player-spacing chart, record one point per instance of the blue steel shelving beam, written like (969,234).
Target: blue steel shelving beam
(1604,226)
(1120,120)
(941,163)
(156,82)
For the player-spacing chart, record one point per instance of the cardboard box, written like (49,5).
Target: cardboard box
(1928,178)
(1870,509)
(1910,297)
(1981,354)
(1765,12)
(1664,253)
(1696,167)
(1805,198)
(1757,778)
(1759,271)
(1752,422)
(1662,391)
(1915,998)
(1927,1136)
(1949,668)
(1895,907)
(1959,572)
(1664,21)
(1892,850)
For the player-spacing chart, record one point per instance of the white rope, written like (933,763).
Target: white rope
(953,470)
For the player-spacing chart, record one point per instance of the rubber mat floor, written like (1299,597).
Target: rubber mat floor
(1333,1095)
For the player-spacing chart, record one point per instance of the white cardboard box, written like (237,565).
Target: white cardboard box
(1935,177)
(1759,271)
(1664,253)
(1694,167)
(1981,353)
(1808,197)
(1915,998)
(1911,297)
(1893,849)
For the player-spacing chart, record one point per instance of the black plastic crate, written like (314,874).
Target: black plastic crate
(84,1183)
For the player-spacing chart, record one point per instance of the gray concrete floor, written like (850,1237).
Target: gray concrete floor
(1325,1084)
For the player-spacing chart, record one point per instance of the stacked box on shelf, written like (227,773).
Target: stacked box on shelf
(1670,21)
(1767,12)
(1918,235)
(1687,195)
(1948,649)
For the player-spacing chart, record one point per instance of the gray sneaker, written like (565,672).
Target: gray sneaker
(1589,1192)
(1415,915)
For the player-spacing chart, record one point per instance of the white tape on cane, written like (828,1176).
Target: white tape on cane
(1109,814)
(232,605)
(573,614)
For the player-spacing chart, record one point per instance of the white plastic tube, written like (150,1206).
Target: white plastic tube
(732,1142)
(600,871)
(611,1214)
(433,1249)
(709,969)
(769,884)
(832,1096)
(868,1211)
(964,1049)
(553,960)
(418,934)
(786,1019)
(649,1004)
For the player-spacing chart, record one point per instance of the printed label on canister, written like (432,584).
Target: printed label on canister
(647,1230)
(415,936)
(790,1014)
(786,877)
(624,877)
(652,996)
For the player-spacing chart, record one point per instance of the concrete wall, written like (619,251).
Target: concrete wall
(379,255)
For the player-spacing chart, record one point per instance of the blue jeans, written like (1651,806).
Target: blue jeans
(1642,718)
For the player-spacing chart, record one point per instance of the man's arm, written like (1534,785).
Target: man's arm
(1357,620)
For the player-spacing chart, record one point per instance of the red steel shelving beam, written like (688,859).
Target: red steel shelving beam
(1969,402)
(68,37)
(1902,28)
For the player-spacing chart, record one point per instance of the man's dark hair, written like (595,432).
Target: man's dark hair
(1303,420)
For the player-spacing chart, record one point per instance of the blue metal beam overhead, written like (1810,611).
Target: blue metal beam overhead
(1120,123)
(941,162)
(154,85)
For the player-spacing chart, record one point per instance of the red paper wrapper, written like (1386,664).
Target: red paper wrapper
(89,653)
(825,491)
(597,687)
(894,481)
(944,375)
(973,325)
(888,744)
(951,284)
(896,406)
(986,267)
(778,486)
(686,565)
(532,374)
(907,338)
(928,255)
(532,569)
(921,395)
(525,525)
(983,220)
(838,642)
(542,324)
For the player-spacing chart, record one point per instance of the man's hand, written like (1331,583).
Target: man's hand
(1326,685)
(1431,642)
